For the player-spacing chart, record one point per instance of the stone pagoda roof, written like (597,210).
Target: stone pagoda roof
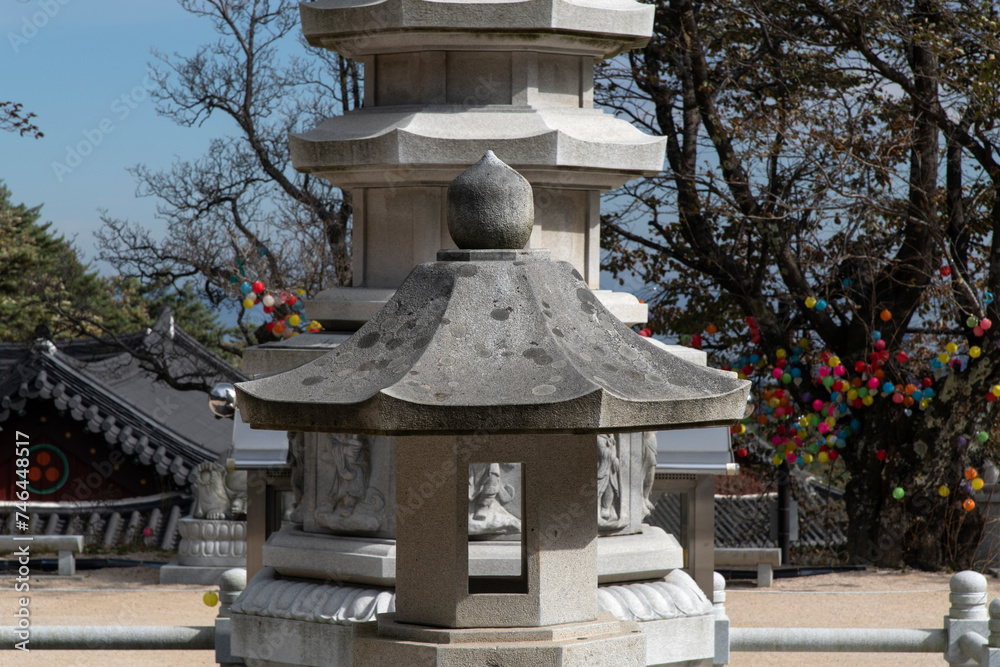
(501,341)
(360,27)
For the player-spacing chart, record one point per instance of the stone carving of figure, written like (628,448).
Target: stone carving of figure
(648,470)
(219,494)
(350,504)
(236,489)
(295,459)
(608,484)
(488,494)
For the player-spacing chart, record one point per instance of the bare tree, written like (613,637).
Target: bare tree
(240,213)
(825,161)
(13,118)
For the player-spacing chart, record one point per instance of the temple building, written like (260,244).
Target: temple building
(113,450)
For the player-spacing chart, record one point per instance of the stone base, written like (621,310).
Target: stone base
(606,641)
(212,543)
(650,554)
(172,573)
(284,622)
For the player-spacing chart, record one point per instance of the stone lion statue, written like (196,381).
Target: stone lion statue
(219,494)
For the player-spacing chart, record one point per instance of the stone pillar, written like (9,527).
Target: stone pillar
(231,584)
(967,613)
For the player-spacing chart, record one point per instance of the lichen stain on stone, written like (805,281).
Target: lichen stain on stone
(500,314)
(468,270)
(538,355)
(558,332)
(628,352)
(309,381)
(369,340)
(587,300)
(447,361)
(543,390)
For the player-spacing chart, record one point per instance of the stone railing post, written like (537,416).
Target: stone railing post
(967,613)
(231,584)
(991,653)
(721,620)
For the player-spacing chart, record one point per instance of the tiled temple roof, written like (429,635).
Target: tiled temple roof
(98,383)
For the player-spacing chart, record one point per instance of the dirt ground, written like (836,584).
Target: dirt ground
(884,599)
(133,596)
(112,596)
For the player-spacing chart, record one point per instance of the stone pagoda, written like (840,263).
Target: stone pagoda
(444,83)
(493,353)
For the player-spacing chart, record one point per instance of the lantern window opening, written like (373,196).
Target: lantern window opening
(497,494)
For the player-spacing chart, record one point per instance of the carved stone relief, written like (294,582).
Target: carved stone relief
(296,460)
(608,481)
(346,484)
(648,470)
(490,492)
(346,501)
(219,494)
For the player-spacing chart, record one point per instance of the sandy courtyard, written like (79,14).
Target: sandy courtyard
(132,596)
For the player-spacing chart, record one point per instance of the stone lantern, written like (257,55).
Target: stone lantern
(493,354)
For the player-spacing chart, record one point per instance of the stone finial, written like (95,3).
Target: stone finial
(968,596)
(490,206)
(231,584)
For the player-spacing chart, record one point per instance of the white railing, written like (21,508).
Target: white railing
(112,638)
(971,635)
(138,637)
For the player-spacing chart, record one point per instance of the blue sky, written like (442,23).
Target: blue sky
(80,66)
